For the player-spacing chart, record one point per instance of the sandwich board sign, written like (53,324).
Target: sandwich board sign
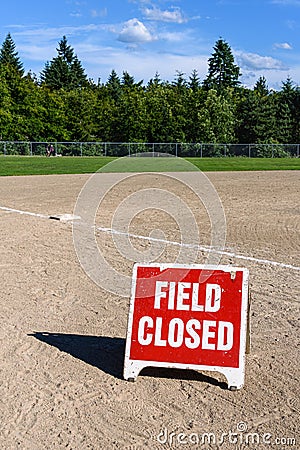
(188,317)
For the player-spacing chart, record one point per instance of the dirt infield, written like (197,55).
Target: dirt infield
(63,336)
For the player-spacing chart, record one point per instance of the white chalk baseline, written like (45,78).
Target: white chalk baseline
(70,218)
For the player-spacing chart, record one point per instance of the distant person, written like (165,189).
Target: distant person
(50,150)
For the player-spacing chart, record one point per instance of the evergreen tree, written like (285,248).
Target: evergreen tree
(114,85)
(128,80)
(257,119)
(194,82)
(284,124)
(288,89)
(222,72)
(65,70)
(218,118)
(9,56)
(180,81)
(154,81)
(247,117)
(265,127)
(289,96)
(261,87)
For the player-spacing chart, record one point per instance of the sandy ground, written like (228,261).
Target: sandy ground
(63,336)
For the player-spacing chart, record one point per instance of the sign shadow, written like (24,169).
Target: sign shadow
(105,353)
(182,374)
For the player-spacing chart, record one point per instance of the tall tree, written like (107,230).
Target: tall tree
(128,80)
(257,118)
(5,109)
(218,118)
(261,87)
(9,56)
(65,70)
(194,82)
(154,81)
(114,85)
(222,71)
(289,95)
(179,81)
(284,127)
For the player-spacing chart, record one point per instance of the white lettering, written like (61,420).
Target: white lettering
(181,296)
(225,336)
(194,340)
(159,293)
(213,302)
(142,338)
(195,296)
(158,330)
(207,334)
(175,336)
(171,301)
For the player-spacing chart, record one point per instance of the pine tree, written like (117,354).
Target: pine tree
(289,96)
(154,81)
(261,87)
(114,85)
(194,83)
(9,56)
(129,81)
(65,70)
(284,127)
(222,72)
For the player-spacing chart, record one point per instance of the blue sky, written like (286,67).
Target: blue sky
(148,36)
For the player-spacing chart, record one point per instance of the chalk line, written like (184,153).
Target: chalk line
(27,213)
(162,241)
(61,217)
(200,248)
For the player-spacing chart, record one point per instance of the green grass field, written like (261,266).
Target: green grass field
(23,165)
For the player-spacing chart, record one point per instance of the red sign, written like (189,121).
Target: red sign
(188,317)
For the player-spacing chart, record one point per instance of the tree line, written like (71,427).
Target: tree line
(62,104)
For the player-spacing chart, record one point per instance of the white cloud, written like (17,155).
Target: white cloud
(273,77)
(283,46)
(286,2)
(100,52)
(76,14)
(143,66)
(173,15)
(253,61)
(172,36)
(39,43)
(99,13)
(135,32)
(46,34)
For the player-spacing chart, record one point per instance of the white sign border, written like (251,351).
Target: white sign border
(235,375)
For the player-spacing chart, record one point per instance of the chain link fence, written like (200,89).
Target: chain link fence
(119,149)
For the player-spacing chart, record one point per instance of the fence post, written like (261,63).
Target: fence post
(80,148)
(201,151)
(249,150)
(297,150)
(30,148)
(4,148)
